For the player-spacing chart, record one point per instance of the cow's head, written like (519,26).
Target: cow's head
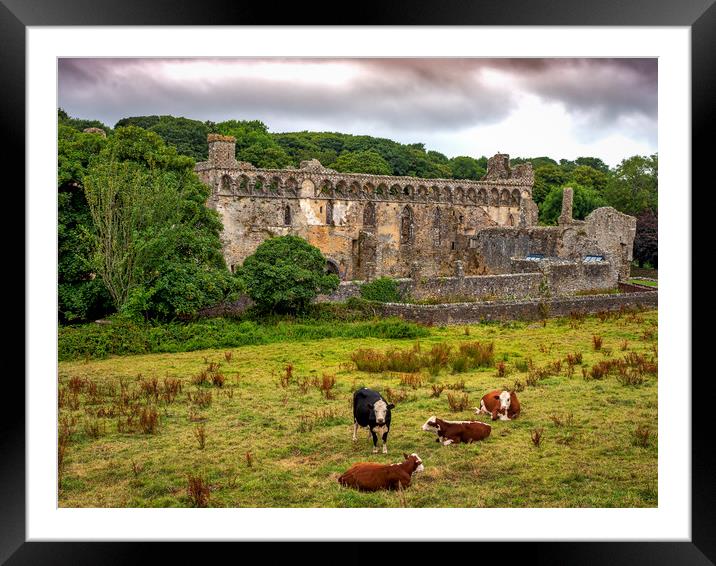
(431,424)
(380,410)
(505,399)
(418,462)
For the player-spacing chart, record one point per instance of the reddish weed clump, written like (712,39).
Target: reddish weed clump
(198,491)
(457,402)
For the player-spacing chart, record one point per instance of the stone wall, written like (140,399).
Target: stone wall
(449,288)
(532,309)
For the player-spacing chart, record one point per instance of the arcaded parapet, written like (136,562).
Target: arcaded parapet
(614,233)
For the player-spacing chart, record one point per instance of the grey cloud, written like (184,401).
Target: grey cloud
(408,96)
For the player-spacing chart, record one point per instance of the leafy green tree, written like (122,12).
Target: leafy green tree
(78,123)
(285,274)
(367,161)
(152,229)
(254,144)
(634,186)
(585,201)
(547,177)
(593,162)
(463,167)
(590,177)
(535,161)
(81,295)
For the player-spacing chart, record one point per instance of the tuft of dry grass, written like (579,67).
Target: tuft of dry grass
(642,436)
(149,420)
(437,390)
(596,342)
(396,396)
(198,491)
(536,435)
(200,435)
(326,385)
(458,402)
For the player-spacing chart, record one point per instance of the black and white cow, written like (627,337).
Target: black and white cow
(371,410)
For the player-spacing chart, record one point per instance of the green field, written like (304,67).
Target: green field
(647,282)
(273,441)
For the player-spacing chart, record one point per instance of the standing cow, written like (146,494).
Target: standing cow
(371,410)
(500,404)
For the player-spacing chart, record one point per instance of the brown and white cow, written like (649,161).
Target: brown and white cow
(370,476)
(500,404)
(454,432)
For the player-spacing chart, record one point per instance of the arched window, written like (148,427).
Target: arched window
(406,225)
(287,215)
(226,184)
(369,214)
(437,224)
(332,267)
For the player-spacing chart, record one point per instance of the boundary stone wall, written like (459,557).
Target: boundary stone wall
(531,309)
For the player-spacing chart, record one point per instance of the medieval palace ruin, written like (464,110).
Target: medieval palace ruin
(483,233)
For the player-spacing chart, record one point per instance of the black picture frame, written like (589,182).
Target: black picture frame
(17,15)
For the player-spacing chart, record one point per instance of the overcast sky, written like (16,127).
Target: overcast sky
(562,108)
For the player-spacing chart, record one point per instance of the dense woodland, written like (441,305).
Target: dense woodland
(158,255)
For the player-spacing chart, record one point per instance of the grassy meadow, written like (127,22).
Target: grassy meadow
(269,425)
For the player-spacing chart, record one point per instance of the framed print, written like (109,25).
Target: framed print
(184,382)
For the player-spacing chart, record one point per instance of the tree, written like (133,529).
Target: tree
(464,167)
(368,161)
(153,238)
(254,144)
(634,185)
(547,177)
(589,177)
(81,295)
(593,162)
(285,274)
(646,241)
(584,201)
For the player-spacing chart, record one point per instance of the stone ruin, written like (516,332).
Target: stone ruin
(369,226)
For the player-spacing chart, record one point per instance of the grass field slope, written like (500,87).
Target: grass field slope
(269,425)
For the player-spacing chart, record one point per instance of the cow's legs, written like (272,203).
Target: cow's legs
(375,442)
(385,443)
(355,429)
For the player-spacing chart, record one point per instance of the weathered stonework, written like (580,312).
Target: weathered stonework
(369,226)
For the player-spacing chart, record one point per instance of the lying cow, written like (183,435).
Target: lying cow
(500,404)
(454,432)
(371,410)
(370,476)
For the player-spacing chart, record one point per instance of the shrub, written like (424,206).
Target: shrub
(437,390)
(382,289)
(285,274)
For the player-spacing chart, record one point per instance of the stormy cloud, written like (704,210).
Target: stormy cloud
(560,107)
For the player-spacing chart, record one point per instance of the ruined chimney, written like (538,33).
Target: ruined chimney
(222,151)
(567,198)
